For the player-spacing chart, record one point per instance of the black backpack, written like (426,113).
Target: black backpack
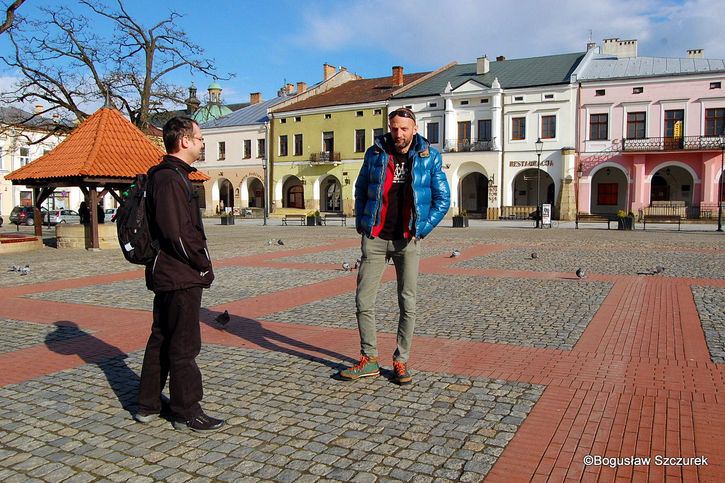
(132,221)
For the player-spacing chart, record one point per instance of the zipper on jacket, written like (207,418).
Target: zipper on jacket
(156,259)
(379,204)
(183,249)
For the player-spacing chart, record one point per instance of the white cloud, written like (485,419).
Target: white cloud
(432,32)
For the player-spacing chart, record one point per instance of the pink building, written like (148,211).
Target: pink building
(650,133)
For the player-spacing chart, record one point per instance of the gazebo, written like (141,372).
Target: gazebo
(102,155)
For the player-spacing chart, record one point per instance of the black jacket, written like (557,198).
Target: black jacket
(175,221)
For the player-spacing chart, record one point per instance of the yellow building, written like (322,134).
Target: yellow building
(317,144)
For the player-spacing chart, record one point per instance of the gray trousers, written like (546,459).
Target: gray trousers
(405,255)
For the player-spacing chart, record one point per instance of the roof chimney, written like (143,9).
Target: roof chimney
(255,98)
(327,71)
(482,65)
(500,58)
(591,45)
(290,88)
(695,54)
(301,87)
(620,48)
(397,76)
(38,108)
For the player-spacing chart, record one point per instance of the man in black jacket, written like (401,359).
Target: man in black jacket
(177,276)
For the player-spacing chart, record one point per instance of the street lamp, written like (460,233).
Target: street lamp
(719,190)
(539,148)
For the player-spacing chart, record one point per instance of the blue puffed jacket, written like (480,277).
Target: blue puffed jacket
(431,194)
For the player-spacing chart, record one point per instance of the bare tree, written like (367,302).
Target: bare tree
(67,66)
(10,15)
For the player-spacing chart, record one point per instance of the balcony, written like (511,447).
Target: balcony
(325,157)
(467,145)
(686,143)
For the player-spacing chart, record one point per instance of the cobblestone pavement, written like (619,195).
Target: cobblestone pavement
(520,369)
(520,312)
(286,419)
(710,303)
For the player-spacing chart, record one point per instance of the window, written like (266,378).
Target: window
(298,118)
(674,123)
(484,129)
(636,125)
(247,148)
(203,152)
(607,194)
(714,121)
(283,121)
(377,112)
(24,156)
(484,101)
(548,127)
(464,131)
(518,128)
(598,127)
(328,141)
(328,116)
(432,104)
(298,145)
(464,103)
(377,132)
(548,96)
(283,145)
(221,150)
(261,147)
(715,85)
(432,133)
(519,99)
(359,140)
(359,114)
(599,92)
(637,90)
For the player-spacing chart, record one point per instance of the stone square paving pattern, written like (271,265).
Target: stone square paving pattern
(520,369)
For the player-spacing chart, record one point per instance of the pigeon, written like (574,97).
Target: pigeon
(346,266)
(280,242)
(357,264)
(24,270)
(222,319)
(270,242)
(455,253)
(534,256)
(580,272)
(659,269)
(14,268)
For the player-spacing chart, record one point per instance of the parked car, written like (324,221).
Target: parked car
(23,215)
(63,216)
(110,215)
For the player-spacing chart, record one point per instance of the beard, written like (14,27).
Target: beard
(402,142)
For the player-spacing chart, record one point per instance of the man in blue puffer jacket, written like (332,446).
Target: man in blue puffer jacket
(401,194)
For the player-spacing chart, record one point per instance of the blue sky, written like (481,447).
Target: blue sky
(269,42)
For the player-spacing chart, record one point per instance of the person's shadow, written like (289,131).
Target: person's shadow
(252,331)
(69,339)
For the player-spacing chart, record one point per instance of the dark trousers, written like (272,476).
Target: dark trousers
(171,351)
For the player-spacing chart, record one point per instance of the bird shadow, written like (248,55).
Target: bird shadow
(253,331)
(69,339)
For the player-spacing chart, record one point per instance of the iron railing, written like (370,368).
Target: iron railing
(324,157)
(464,145)
(693,143)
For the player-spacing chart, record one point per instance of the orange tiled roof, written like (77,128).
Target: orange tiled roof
(353,92)
(106,145)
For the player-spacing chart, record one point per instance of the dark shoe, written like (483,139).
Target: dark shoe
(367,367)
(402,376)
(201,423)
(144,417)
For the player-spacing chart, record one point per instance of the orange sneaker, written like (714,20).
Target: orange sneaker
(402,376)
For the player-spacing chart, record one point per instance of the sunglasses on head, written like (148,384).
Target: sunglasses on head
(402,112)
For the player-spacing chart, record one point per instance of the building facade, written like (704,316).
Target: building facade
(649,133)
(318,144)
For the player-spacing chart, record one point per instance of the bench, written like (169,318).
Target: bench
(301,218)
(661,219)
(341,217)
(587,218)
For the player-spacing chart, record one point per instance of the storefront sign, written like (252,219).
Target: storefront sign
(529,164)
